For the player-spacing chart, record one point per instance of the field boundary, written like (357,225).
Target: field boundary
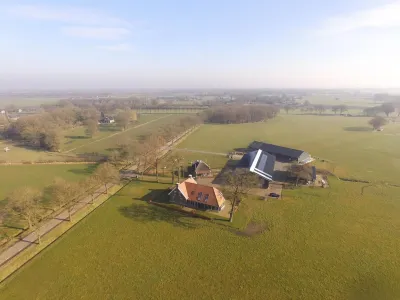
(8,263)
(67,226)
(117,133)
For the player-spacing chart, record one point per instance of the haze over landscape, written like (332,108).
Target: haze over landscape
(199,149)
(199,44)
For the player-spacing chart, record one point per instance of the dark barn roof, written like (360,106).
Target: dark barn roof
(277,150)
(259,162)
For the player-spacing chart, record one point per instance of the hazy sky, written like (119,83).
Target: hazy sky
(199,43)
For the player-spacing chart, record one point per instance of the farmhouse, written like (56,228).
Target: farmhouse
(259,162)
(283,154)
(191,194)
(200,168)
(107,120)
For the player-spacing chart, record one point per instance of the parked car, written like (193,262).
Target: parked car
(274,195)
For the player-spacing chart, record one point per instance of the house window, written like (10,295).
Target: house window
(206,197)
(199,195)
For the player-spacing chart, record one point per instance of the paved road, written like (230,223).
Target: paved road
(114,134)
(203,152)
(47,227)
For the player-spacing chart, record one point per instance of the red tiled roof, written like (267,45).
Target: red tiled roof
(201,193)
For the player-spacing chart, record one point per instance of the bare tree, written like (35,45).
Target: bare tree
(342,108)
(335,109)
(320,109)
(107,173)
(25,203)
(123,119)
(92,127)
(377,122)
(59,192)
(388,108)
(91,185)
(287,108)
(236,186)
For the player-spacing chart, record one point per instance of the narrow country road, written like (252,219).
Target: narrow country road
(200,151)
(51,224)
(47,227)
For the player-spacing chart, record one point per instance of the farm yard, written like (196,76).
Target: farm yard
(315,243)
(352,146)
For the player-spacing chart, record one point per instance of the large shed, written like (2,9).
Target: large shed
(283,154)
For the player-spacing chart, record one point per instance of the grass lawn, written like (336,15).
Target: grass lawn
(214,161)
(348,142)
(102,142)
(77,137)
(39,176)
(319,244)
(105,146)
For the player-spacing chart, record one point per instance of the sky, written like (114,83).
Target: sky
(199,44)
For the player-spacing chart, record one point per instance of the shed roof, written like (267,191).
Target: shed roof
(260,162)
(277,150)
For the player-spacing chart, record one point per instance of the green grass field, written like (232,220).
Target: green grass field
(105,146)
(348,142)
(39,176)
(77,137)
(75,141)
(349,100)
(319,244)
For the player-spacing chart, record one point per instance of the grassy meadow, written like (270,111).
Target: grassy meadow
(77,137)
(317,244)
(358,101)
(76,142)
(348,142)
(106,145)
(38,176)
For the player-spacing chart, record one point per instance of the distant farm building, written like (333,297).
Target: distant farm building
(107,120)
(191,194)
(283,154)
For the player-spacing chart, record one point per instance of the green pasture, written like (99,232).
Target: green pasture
(359,101)
(38,176)
(105,146)
(77,137)
(316,244)
(348,142)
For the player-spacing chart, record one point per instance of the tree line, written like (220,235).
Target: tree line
(32,206)
(235,114)
(386,108)
(45,130)
(146,152)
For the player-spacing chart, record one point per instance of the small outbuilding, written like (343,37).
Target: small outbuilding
(200,169)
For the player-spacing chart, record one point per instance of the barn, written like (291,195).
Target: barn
(283,154)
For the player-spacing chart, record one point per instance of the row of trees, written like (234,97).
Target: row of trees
(32,205)
(146,152)
(386,108)
(230,114)
(44,130)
